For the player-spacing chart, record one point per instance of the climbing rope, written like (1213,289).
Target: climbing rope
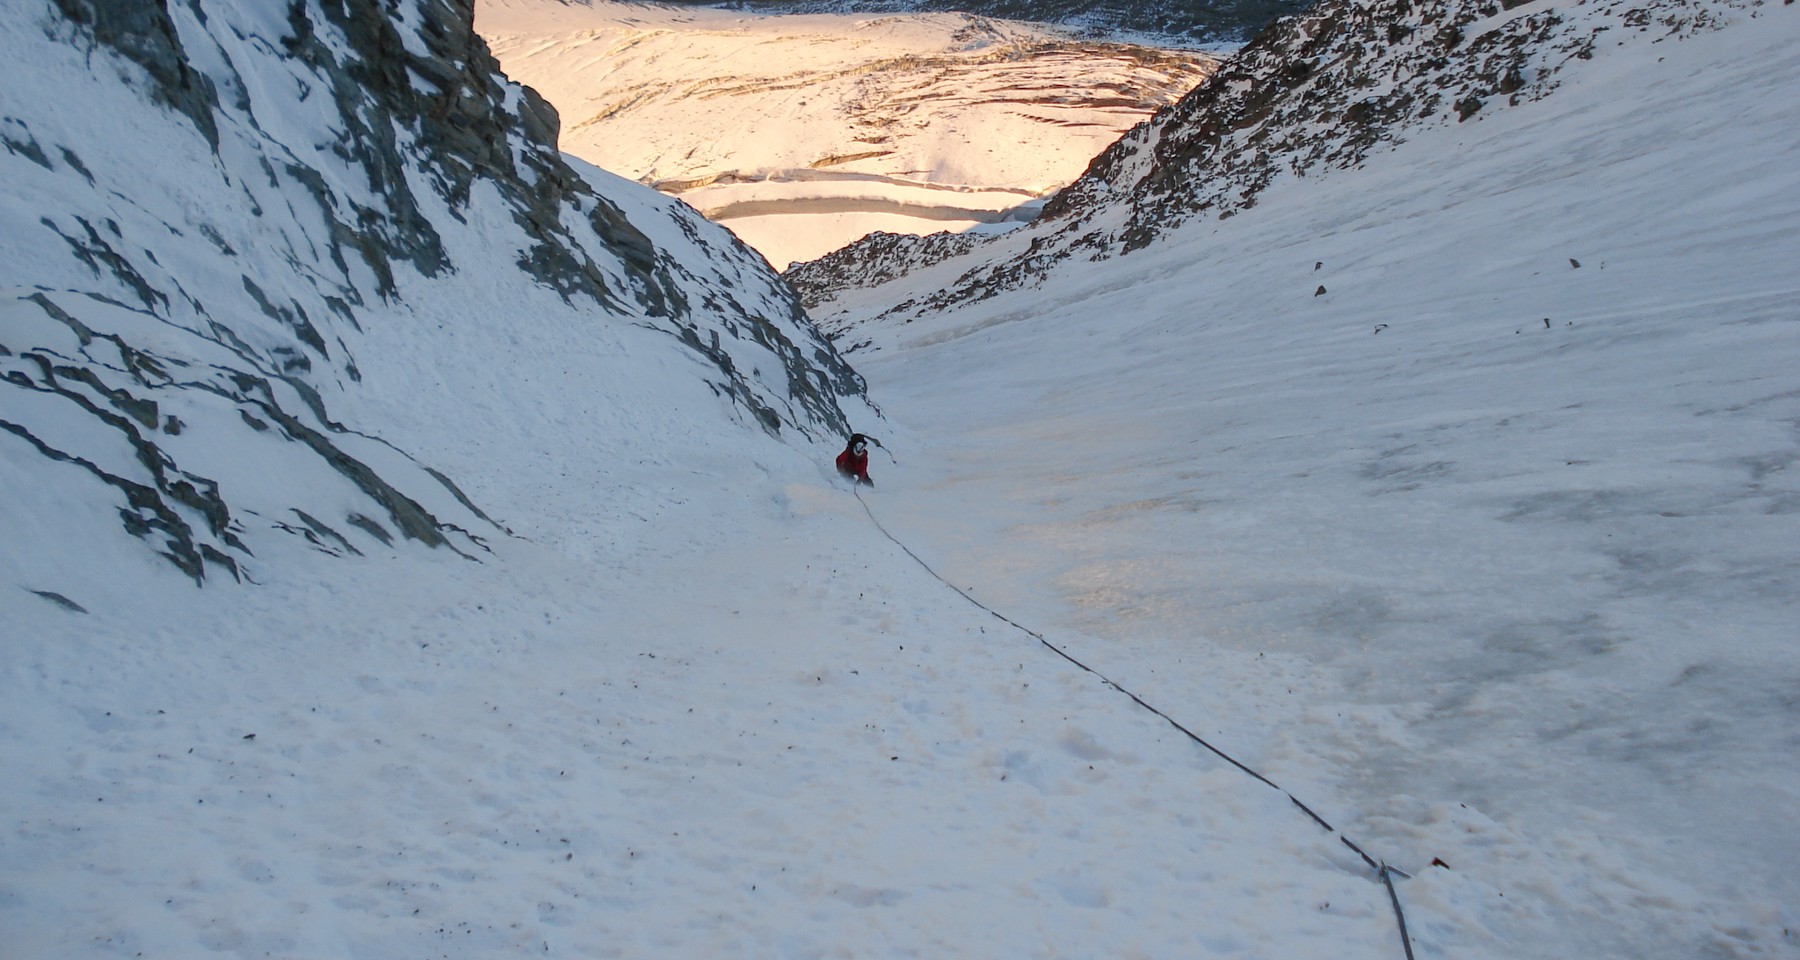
(1383,871)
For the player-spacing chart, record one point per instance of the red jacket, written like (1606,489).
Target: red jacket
(855,467)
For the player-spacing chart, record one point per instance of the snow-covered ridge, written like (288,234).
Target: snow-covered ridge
(1323,89)
(1311,93)
(247,244)
(806,132)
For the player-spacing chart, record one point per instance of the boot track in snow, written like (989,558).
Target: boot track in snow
(1383,872)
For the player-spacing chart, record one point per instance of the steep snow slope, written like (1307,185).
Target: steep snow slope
(1491,435)
(248,252)
(803,133)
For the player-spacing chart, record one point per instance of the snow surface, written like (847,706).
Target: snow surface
(1515,599)
(803,133)
(1515,494)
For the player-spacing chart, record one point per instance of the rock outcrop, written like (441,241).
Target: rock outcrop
(872,261)
(222,201)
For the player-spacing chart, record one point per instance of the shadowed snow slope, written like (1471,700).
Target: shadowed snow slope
(803,133)
(246,252)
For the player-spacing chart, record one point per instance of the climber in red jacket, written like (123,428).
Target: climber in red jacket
(854,461)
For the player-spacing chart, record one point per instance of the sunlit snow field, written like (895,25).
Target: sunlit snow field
(805,133)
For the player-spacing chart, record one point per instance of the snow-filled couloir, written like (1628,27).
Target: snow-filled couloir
(1429,452)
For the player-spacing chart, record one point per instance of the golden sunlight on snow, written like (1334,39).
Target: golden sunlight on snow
(803,133)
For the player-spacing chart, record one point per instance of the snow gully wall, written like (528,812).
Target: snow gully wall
(218,217)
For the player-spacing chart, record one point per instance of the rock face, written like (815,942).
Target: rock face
(874,260)
(221,203)
(1310,93)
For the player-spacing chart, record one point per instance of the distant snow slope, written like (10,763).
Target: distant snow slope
(1188,20)
(803,133)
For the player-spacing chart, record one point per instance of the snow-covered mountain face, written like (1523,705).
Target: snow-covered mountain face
(1321,90)
(803,133)
(258,252)
(1311,93)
